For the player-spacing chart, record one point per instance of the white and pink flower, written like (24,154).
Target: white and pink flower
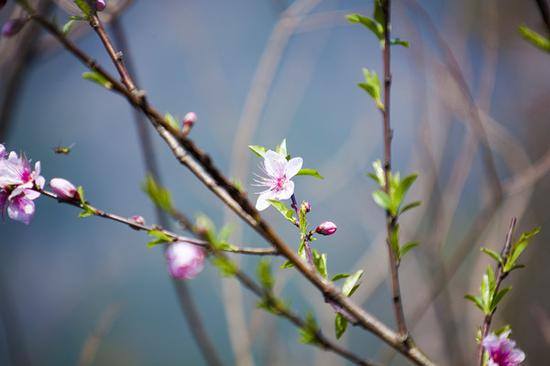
(502,351)
(185,261)
(278,172)
(18,186)
(64,189)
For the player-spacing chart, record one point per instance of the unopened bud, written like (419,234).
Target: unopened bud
(188,122)
(306,206)
(326,228)
(100,5)
(12,27)
(64,189)
(138,219)
(185,261)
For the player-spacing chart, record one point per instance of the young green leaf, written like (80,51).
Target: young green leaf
(281,149)
(352,283)
(171,120)
(492,254)
(159,195)
(339,276)
(476,300)
(394,240)
(287,264)
(85,7)
(285,211)
(161,238)
(67,27)
(399,42)
(226,266)
(372,87)
(402,189)
(535,38)
(308,333)
(518,248)
(376,28)
(264,274)
(406,248)
(97,78)
(382,199)
(409,206)
(320,261)
(258,150)
(340,325)
(310,172)
(498,296)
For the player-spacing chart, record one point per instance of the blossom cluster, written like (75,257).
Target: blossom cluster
(502,350)
(19,185)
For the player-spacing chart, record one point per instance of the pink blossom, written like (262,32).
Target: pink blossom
(64,189)
(326,228)
(502,351)
(278,173)
(18,185)
(3,152)
(190,119)
(185,260)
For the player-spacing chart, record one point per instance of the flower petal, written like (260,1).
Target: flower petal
(21,209)
(275,164)
(293,167)
(262,202)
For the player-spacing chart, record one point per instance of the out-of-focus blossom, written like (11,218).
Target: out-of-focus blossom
(64,189)
(278,173)
(185,260)
(326,228)
(12,27)
(18,184)
(502,351)
(100,5)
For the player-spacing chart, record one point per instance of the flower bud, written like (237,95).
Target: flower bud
(190,119)
(185,260)
(306,206)
(100,5)
(12,27)
(138,219)
(64,189)
(326,228)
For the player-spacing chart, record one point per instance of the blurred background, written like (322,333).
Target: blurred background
(470,115)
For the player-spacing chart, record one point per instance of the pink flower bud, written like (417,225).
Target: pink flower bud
(138,219)
(306,206)
(190,119)
(100,5)
(12,27)
(185,260)
(64,189)
(326,228)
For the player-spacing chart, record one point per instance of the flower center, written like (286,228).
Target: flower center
(280,182)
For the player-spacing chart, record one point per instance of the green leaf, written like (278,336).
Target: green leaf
(264,274)
(409,206)
(379,173)
(352,283)
(372,87)
(518,248)
(226,247)
(382,199)
(225,233)
(376,28)
(378,14)
(67,27)
(159,195)
(161,238)
(535,38)
(303,220)
(339,276)
(87,212)
(394,240)
(402,189)
(310,172)
(285,211)
(281,149)
(492,254)
(502,329)
(272,305)
(97,78)
(406,248)
(399,42)
(226,266)
(287,264)
(85,7)
(308,333)
(476,300)
(340,325)
(320,261)
(375,178)
(498,296)
(80,191)
(205,225)
(171,120)
(258,150)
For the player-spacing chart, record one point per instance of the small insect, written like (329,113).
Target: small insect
(63,150)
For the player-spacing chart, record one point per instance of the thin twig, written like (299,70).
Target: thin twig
(200,164)
(500,275)
(391,220)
